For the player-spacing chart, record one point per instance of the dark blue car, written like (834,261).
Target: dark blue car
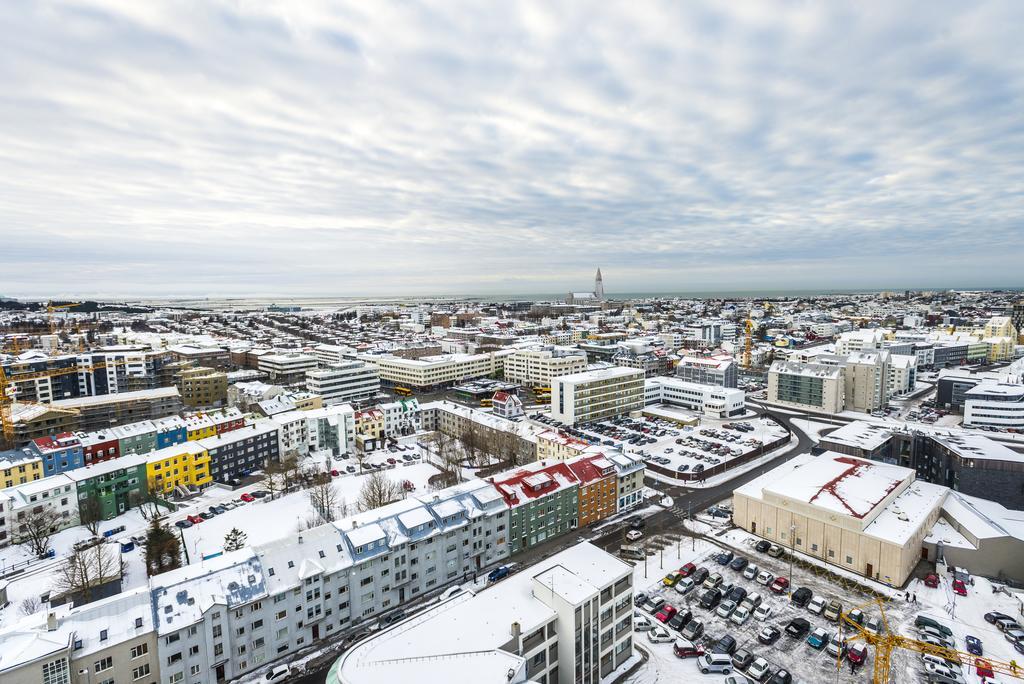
(973,645)
(498,574)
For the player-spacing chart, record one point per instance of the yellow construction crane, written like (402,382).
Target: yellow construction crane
(748,341)
(51,308)
(887,641)
(7,391)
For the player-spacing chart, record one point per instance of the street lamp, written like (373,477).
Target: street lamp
(792,547)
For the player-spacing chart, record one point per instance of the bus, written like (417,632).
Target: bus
(403,391)
(487,402)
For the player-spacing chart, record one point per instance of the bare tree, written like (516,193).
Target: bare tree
(273,477)
(323,496)
(147,502)
(472,441)
(90,513)
(360,455)
(86,569)
(378,491)
(29,606)
(36,529)
(447,456)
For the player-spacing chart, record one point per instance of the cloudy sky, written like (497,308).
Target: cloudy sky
(329,148)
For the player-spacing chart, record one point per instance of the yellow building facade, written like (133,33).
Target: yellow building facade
(20,471)
(181,465)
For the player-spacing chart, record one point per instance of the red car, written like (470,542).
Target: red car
(667,612)
(392,461)
(687,569)
(857,654)
(780,585)
(335,473)
(959,587)
(194,519)
(983,668)
(247,498)
(931,580)
(684,648)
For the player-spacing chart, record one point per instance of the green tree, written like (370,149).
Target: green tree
(163,548)
(235,539)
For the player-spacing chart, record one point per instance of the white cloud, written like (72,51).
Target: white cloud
(330,148)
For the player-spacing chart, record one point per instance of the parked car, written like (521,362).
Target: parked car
(836,646)
(738,563)
(873,625)
(759,670)
(726,644)
(699,575)
(639,598)
(995,615)
(641,623)
(801,597)
(1014,635)
(278,673)
(247,498)
(715,662)
(685,585)
(974,646)
(713,582)
(694,629)
(724,558)
(959,587)
(762,546)
(763,612)
(750,572)
(633,535)
(925,621)
(856,615)
(498,573)
(931,580)
(737,594)
(194,519)
(659,635)
(679,620)
(1003,624)
(776,551)
(725,609)
(666,613)
(685,648)
(710,598)
(764,577)
(742,658)
(798,627)
(740,615)
(779,585)
(816,605)
(654,604)
(687,569)
(183,524)
(833,610)
(858,653)
(781,677)
(983,668)
(769,635)
(671,579)
(818,637)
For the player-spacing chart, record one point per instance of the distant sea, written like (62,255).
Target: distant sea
(335,302)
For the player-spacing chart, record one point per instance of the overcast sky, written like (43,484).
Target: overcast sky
(327,148)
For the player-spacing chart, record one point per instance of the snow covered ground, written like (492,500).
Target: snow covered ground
(265,520)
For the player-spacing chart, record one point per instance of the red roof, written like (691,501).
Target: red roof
(856,465)
(54,443)
(586,471)
(522,485)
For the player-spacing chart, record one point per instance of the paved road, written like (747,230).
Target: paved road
(685,499)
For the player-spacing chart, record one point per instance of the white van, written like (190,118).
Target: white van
(715,662)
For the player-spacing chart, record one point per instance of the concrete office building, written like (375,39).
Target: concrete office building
(287,369)
(344,382)
(718,369)
(332,354)
(537,367)
(432,372)
(864,516)
(994,404)
(713,401)
(809,386)
(595,395)
(565,620)
(866,381)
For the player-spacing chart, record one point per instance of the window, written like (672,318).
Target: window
(194,670)
(173,658)
(103,635)
(103,664)
(171,638)
(849,560)
(56,672)
(140,650)
(140,671)
(176,677)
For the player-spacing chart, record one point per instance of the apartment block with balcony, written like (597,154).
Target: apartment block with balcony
(810,386)
(595,395)
(538,367)
(202,387)
(344,382)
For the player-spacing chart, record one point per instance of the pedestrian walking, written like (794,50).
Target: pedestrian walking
(915,597)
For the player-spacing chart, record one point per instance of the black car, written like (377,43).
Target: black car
(727,644)
(260,493)
(737,594)
(738,563)
(996,615)
(636,523)
(710,598)
(724,558)
(798,628)
(801,597)
(781,677)
(769,635)
(742,658)
(699,575)
(183,524)
(679,620)
(763,546)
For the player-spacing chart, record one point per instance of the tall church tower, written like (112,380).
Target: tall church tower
(598,287)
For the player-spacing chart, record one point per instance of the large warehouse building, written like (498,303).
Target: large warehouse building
(863,516)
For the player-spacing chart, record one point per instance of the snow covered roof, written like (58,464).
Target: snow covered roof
(860,434)
(182,596)
(21,647)
(365,535)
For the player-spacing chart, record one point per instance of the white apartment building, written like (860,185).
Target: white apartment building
(564,620)
(284,369)
(305,432)
(437,371)
(539,366)
(902,374)
(222,620)
(860,340)
(344,381)
(57,493)
(402,417)
(866,380)
(331,354)
(598,394)
(993,403)
(811,386)
(711,400)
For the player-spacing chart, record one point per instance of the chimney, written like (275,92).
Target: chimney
(300,538)
(517,631)
(51,622)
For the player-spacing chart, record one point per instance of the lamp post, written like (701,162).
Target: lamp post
(792,547)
